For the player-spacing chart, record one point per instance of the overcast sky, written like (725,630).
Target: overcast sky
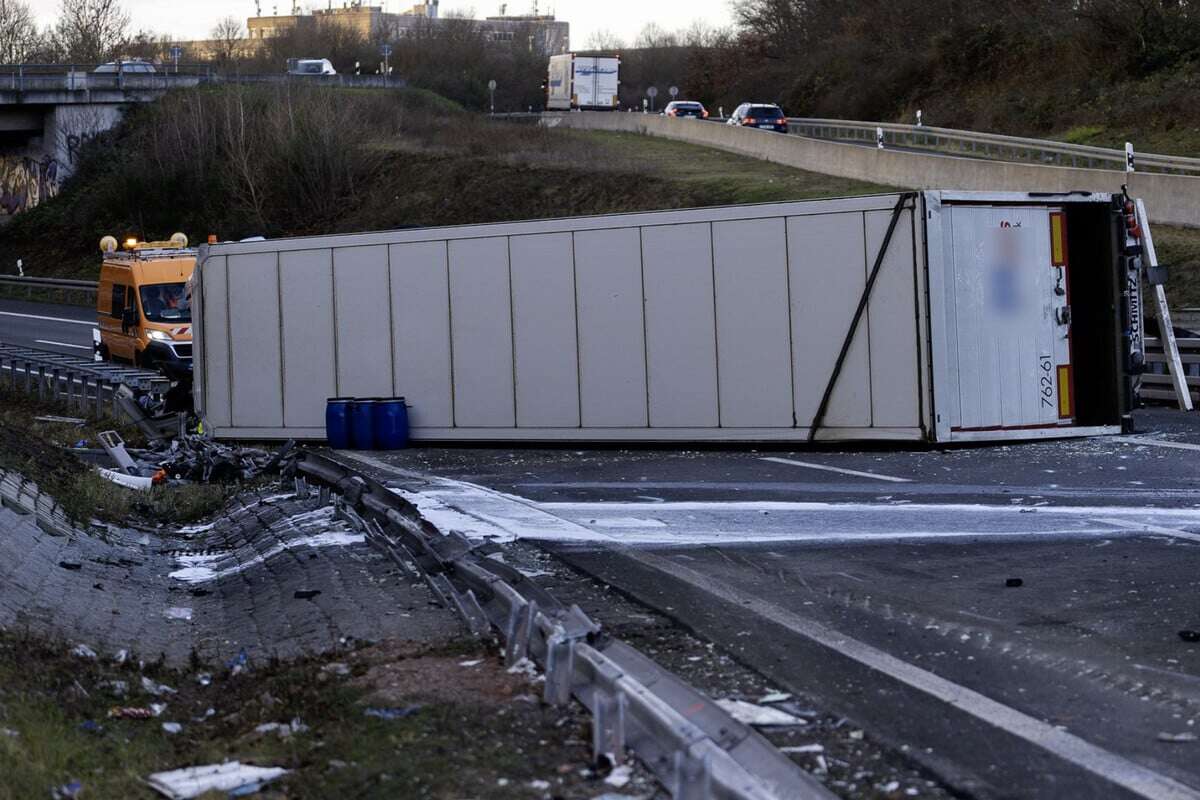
(193,19)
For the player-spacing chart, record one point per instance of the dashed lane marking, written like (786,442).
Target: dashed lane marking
(1154,442)
(825,468)
(88,322)
(1131,525)
(64,344)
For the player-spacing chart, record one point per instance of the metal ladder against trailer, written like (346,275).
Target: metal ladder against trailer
(1170,346)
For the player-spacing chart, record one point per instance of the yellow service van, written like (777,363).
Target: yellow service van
(143,308)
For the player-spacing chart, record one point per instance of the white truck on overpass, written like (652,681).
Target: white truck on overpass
(935,316)
(584,83)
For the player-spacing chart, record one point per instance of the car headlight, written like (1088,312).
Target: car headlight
(159,336)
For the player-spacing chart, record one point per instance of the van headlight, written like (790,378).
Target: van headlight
(158,336)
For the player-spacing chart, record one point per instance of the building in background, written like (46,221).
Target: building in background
(543,32)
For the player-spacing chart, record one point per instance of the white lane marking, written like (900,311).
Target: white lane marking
(89,322)
(1142,526)
(628,522)
(823,467)
(1154,442)
(64,344)
(1191,514)
(1112,767)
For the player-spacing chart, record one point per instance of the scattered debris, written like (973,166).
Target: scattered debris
(336,668)
(196,458)
(120,657)
(204,679)
(156,689)
(131,712)
(539,786)
(61,420)
(74,566)
(856,735)
(473,663)
(83,651)
(116,688)
(238,663)
(91,726)
(67,790)
(1190,636)
(306,594)
(390,714)
(9,733)
(619,776)
(128,481)
(1012,583)
(803,748)
(233,777)
(179,613)
(751,714)
(282,729)
(524,667)
(775,697)
(172,727)
(1177,738)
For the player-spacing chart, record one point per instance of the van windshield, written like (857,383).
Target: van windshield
(166,302)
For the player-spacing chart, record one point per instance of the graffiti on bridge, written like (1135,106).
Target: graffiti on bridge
(25,182)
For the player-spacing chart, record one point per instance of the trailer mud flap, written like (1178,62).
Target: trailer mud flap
(819,418)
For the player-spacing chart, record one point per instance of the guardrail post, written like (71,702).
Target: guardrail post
(560,668)
(100,398)
(608,726)
(520,624)
(41,382)
(692,777)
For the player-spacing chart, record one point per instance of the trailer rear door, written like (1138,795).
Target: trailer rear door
(1008,309)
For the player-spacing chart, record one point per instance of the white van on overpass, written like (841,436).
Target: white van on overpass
(931,316)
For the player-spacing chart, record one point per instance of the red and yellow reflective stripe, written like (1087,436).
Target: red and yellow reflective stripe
(1066,402)
(1058,239)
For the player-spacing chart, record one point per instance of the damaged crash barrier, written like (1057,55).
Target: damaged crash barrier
(189,458)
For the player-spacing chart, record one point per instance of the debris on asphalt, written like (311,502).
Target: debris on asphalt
(137,482)
(1013,583)
(178,613)
(61,420)
(803,748)
(1190,636)
(1177,738)
(775,697)
(305,594)
(390,714)
(856,735)
(524,667)
(172,727)
(759,716)
(539,785)
(74,566)
(337,668)
(620,776)
(204,679)
(131,712)
(154,688)
(233,777)
(116,688)
(473,663)
(83,651)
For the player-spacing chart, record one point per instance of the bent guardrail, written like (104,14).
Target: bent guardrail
(990,145)
(692,745)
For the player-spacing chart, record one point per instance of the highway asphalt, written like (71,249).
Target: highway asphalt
(44,326)
(1022,620)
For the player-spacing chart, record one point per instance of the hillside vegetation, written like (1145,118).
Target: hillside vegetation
(273,161)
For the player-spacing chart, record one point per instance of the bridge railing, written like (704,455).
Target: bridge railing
(990,145)
(100,77)
(85,77)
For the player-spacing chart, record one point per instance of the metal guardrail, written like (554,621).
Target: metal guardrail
(1156,383)
(23,78)
(692,745)
(990,145)
(67,289)
(90,386)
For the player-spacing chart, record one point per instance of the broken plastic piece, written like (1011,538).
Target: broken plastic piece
(751,714)
(172,727)
(233,777)
(1013,583)
(390,714)
(83,651)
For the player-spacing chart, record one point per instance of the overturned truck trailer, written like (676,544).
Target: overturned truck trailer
(934,316)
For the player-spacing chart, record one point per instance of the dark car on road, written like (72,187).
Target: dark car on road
(684,109)
(759,115)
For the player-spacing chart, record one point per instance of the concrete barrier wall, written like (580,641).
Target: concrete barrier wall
(1170,199)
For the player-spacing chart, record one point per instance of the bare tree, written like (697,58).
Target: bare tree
(604,39)
(91,31)
(654,36)
(227,38)
(18,33)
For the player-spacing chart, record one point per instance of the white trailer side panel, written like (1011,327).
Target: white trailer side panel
(309,357)
(421,313)
(612,329)
(481,333)
(719,324)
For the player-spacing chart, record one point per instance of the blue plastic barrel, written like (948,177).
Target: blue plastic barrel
(362,424)
(337,422)
(391,423)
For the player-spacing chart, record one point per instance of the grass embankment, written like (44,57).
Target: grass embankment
(40,452)
(478,731)
(243,161)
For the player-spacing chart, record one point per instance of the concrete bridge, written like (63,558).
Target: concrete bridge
(48,112)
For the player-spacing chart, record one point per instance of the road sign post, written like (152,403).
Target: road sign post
(879,138)
(652,93)
(673,91)
(1129,166)
(492,93)
(386,52)
(176,52)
